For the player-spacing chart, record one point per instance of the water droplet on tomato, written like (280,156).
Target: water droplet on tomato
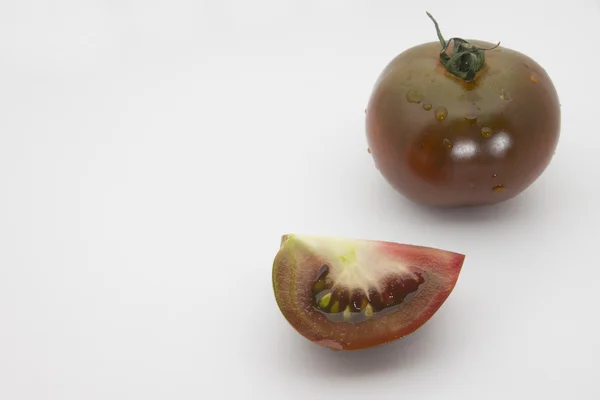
(447,143)
(427,107)
(494,176)
(471,114)
(486,132)
(498,188)
(441,113)
(413,96)
(504,95)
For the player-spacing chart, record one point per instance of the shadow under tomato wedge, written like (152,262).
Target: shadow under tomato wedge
(462,123)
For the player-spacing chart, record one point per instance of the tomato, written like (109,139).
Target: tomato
(462,123)
(351,294)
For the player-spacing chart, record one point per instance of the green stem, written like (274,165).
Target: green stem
(466,59)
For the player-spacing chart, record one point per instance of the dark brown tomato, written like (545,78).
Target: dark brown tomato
(443,141)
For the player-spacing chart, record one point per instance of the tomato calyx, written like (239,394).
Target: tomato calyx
(466,58)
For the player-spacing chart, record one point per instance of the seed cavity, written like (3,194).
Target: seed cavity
(340,304)
(441,113)
(486,132)
(414,96)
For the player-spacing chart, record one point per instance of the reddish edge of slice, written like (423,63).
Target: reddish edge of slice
(350,294)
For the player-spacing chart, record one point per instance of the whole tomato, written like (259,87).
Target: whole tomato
(461,123)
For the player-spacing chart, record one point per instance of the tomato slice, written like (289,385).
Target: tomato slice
(350,294)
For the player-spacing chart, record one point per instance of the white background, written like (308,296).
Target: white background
(153,152)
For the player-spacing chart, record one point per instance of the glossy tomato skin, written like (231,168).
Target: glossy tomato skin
(442,141)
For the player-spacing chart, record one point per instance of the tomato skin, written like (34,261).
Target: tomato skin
(442,141)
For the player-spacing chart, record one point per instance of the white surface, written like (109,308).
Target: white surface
(153,152)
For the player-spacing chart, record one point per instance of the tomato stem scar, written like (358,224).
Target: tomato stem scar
(466,59)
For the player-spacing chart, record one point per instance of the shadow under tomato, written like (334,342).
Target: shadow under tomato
(418,348)
(508,209)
